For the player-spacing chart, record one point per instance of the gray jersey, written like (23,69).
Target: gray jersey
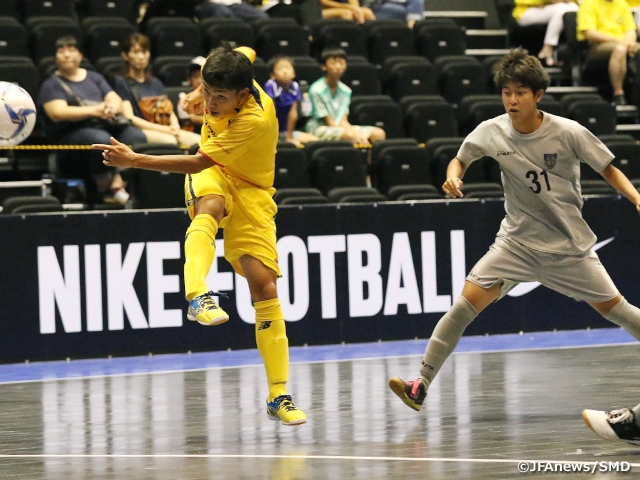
(541,179)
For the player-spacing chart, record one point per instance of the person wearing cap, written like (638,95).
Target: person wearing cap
(192,121)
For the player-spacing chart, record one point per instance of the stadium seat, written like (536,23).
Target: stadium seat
(168,8)
(30,204)
(414,192)
(379,146)
(110,8)
(359,194)
(109,67)
(303,200)
(459,76)
(284,194)
(308,70)
(291,169)
(11,8)
(425,119)
(596,187)
(233,30)
(338,33)
(598,116)
(333,167)
(474,109)
(482,190)
(22,71)
(280,38)
(388,38)
(411,78)
(362,79)
(41,8)
(627,157)
(171,69)
(105,39)
(13,38)
(151,189)
(173,36)
(311,147)
(437,37)
(530,37)
(401,165)
(44,31)
(377,110)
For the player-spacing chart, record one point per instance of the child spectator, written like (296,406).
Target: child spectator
(286,95)
(330,99)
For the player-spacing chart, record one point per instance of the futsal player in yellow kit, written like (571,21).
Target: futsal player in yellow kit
(229,184)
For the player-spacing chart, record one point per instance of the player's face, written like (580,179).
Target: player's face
(68,59)
(221,102)
(335,67)
(137,57)
(283,72)
(520,102)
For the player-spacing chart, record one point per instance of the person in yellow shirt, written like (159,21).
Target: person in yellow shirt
(549,12)
(610,29)
(229,184)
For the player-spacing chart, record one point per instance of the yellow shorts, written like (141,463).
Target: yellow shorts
(249,223)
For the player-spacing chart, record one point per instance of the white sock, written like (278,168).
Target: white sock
(445,337)
(626,316)
(636,413)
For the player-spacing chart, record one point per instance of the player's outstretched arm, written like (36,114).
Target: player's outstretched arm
(621,183)
(117,154)
(455,172)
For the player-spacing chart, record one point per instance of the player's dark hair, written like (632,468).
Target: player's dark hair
(519,66)
(274,60)
(227,69)
(67,41)
(328,53)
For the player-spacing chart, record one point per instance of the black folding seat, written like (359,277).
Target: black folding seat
(439,37)
(550,105)
(173,36)
(401,165)
(174,92)
(598,116)
(11,8)
(298,196)
(291,169)
(41,8)
(411,78)
(380,145)
(109,67)
(482,190)
(425,119)
(171,69)
(459,76)
(233,30)
(339,33)
(274,37)
(474,109)
(44,31)
(379,111)
(414,192)
(21,70)
(168,8)
(150,189)
(308,70)
(311,147)
(388,38)
(13,38)
(627,157)
(105,39)
(358,194)
(333,167)
(362,79)
(261,71)
(596,187)
(110,8)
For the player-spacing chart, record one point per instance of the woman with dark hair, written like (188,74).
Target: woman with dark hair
(137,85)
(83,109)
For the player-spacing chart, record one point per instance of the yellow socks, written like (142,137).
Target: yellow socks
(199,250)
(273,345)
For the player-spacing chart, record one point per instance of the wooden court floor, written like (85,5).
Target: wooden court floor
(486,414)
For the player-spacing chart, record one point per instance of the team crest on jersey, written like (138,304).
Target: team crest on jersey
(550,160)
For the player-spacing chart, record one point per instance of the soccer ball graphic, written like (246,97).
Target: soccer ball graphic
(17,114)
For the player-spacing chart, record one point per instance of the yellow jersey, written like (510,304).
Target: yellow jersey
(611,17)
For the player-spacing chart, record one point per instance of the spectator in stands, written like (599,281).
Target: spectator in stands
(84,110)
(192,121)
(609,28)
(229,8)
(286,95)
(549,12)
(141,93)
(347,10)
(330,99)
(409,10)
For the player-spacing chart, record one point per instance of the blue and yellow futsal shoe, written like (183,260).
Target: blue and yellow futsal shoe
(282,408)
(205,311)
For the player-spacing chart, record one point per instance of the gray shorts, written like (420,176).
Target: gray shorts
(582,278)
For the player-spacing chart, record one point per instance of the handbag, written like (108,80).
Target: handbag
(113,125)
(156,109)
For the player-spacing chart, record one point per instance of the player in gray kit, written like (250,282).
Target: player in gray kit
(543,236)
